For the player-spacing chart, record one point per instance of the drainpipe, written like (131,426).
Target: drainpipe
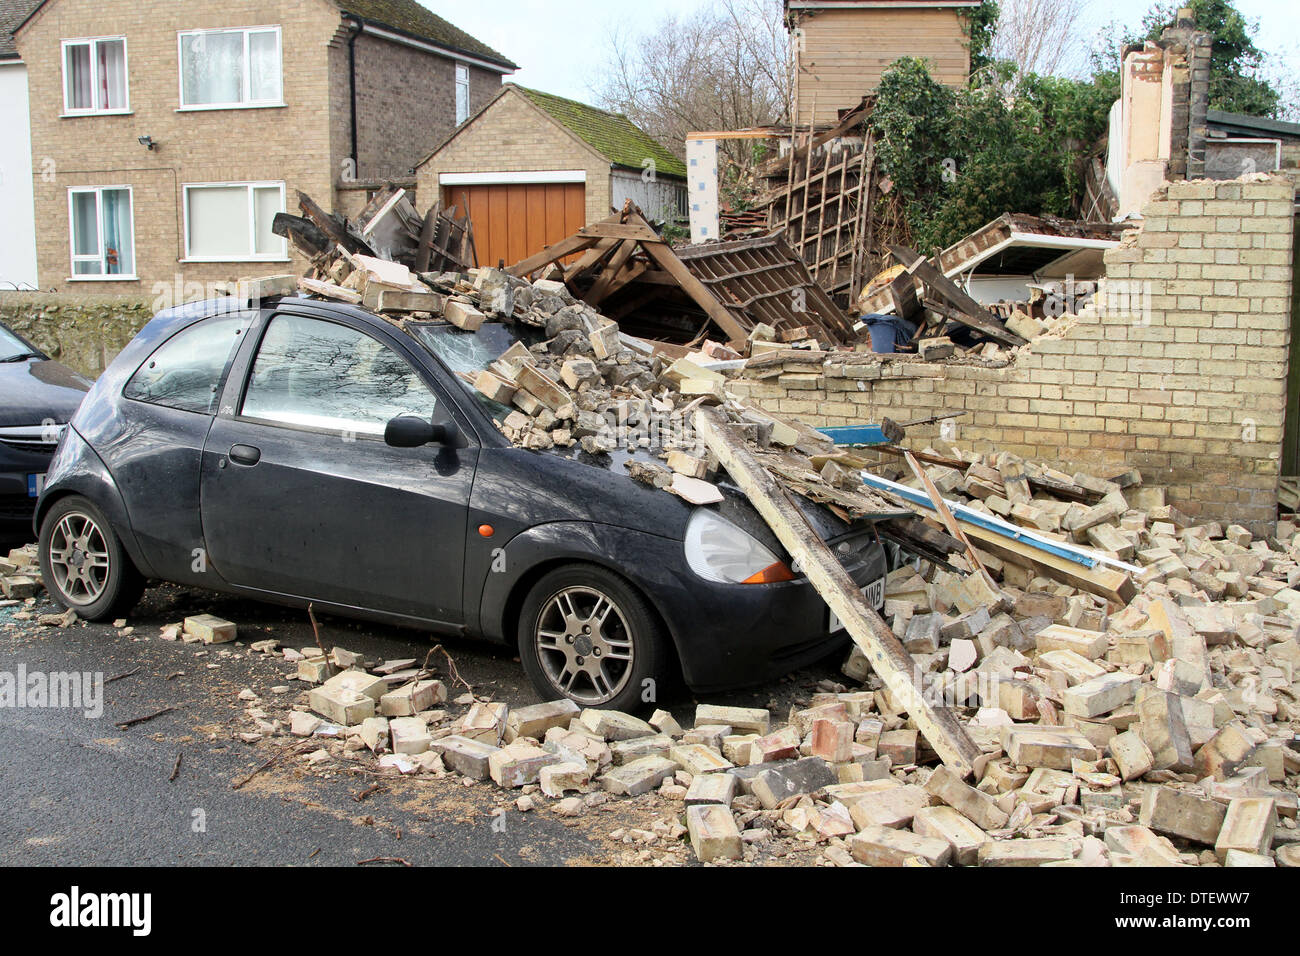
(352,90)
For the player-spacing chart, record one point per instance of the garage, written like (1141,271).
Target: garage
(514,219)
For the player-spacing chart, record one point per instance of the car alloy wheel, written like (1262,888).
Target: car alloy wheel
(79,559)
(584,645)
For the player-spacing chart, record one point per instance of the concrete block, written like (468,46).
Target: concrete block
(638,777)
(1131,754)
(1101,695)
(1024,852)
(978,807)
(1052,747)
(410,735)
(719,788)
(535,720)
(777,782)
(615,725)
(1182,813)
(559,778)
(713,831)
(945,823)
(211,629)
(740,719)
(890,806)
(883,846)
(1162,726)
(1248,826)
(697,759)
(465,755)
(519,763)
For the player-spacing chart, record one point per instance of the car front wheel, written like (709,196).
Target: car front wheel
(84,564)
(587,635)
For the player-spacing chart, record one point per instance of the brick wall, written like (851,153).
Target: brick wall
(406,104)
(83,330)
(511,136)
(1190,386)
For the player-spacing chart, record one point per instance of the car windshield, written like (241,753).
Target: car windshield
(12,348)
(468,353)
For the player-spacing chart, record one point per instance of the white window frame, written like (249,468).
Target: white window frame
(93,43)
(245,103)
(99,238)
(462,70)
(250,187)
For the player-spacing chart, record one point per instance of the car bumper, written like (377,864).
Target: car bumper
(730,636)
(18,469)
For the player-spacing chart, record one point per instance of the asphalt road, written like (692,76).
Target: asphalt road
(81,790)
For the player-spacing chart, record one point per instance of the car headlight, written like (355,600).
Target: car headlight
(718,551)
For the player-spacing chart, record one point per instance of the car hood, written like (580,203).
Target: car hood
(735,506)
(34,390)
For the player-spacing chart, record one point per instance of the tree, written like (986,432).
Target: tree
(1040,36)
(727,66)
(960,158)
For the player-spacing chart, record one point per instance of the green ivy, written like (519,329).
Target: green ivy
(961,158)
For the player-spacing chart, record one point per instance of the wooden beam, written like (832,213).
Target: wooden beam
(619,230)
(667,260)
(972,313)
(613,269)
(565,247)
(887,657)
(949,522)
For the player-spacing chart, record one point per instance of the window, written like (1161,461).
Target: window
(94,76)
(228,222)
(187,370)
(323,375)
(462,93)
(103,232)
(225,68)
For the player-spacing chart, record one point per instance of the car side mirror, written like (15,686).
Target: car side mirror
(408,431)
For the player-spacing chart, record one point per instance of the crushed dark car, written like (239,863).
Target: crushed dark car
(307,451)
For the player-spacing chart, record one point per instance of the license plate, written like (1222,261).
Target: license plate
(35,485)
(875,595)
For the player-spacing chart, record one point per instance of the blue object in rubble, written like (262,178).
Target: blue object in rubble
(887,331)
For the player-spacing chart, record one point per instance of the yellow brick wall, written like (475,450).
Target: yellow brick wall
(513,136)
(1192,390)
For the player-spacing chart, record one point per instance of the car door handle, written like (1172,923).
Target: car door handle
(245,454)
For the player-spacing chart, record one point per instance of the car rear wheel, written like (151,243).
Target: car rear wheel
(84,564)
(587,635)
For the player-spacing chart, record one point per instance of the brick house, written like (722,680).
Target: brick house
(842,47)
(533,168)
(165,136)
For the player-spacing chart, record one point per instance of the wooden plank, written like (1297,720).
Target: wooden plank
(946,517)
(1111,583)
(887,657)
(565,247)
(667,260)
(619,230)
(973,314)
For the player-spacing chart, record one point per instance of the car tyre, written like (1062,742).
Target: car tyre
(587,635)
(83,563)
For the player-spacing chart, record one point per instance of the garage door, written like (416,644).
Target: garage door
(512,221)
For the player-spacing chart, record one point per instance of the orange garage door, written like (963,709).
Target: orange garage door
(512,221)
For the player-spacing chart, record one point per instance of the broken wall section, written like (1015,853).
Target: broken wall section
(1179,367)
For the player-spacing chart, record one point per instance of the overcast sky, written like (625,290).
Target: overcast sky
(561,46)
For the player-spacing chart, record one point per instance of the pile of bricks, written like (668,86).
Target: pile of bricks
(20,577)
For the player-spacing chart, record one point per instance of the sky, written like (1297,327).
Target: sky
(560,47)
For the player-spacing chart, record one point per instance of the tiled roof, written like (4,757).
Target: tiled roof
(612,135)
(412,18)
(12,13)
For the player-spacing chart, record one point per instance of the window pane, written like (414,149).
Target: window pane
(79,78)
(112,74)
(323,375)
(266,203)
(218,221)
(85,227)
(462,94)
(185,372)
(117,232)
(264,67)
(212,68)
